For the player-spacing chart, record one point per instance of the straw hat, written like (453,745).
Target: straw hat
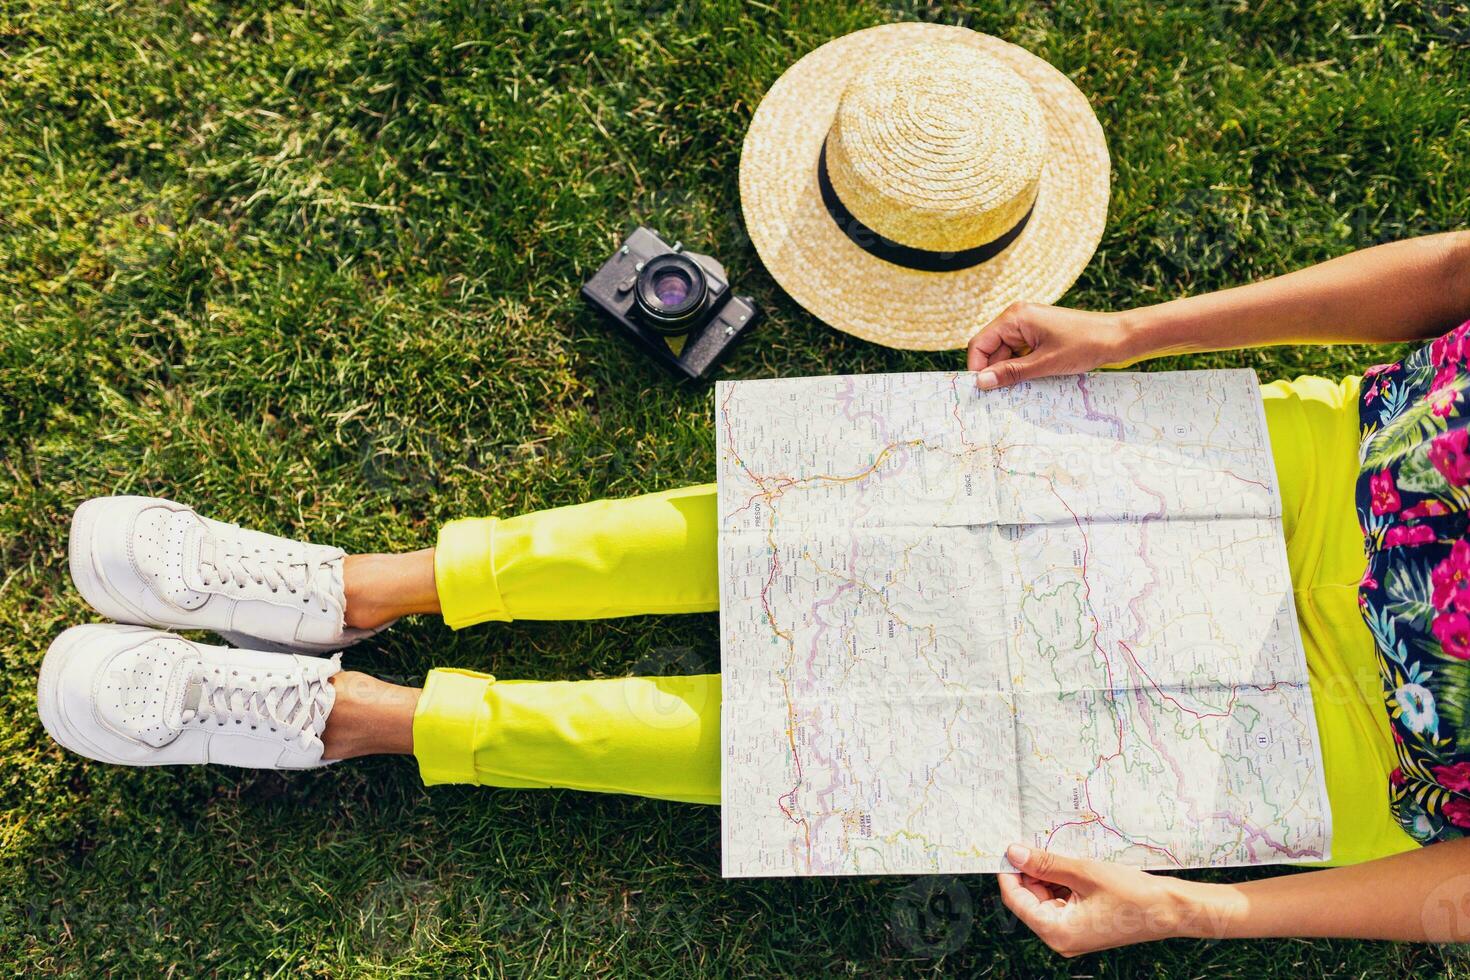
(907,182)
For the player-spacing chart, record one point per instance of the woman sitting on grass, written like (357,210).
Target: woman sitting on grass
(1375,481)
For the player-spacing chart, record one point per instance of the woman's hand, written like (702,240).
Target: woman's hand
(1029,340)
(1079,906)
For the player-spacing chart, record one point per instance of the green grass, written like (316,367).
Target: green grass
(315,267)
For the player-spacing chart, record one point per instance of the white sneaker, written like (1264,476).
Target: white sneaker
(153,562)
(138,697)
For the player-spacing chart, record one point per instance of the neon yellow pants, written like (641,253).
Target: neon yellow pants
(659,737)
(649,736)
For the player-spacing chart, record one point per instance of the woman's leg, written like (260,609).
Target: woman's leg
(133,695)
(647,736)
(153,561)
(597,560)
(638,555)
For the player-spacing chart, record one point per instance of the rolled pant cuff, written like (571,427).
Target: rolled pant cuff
(446,723)
(464,573)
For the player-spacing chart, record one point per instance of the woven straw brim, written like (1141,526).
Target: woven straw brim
(877,300)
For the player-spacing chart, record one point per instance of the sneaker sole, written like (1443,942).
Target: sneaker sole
(48,696)
(244,641)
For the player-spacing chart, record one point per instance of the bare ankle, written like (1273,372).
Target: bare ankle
(369,717)
(360,583)
(381,588)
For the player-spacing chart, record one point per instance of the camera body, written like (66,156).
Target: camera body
(674,304)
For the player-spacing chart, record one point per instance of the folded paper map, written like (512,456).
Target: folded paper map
(1056,614)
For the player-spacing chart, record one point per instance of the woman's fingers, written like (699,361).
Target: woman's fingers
(985,347)
(1004,372)
(1043,914)
(999,339)
(980,362)
(1012,347)
(1039,893)
(1031,903)
(1039,341)
(1072,873)
(1045,892)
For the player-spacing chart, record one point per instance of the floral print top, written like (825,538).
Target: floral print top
(1413,495)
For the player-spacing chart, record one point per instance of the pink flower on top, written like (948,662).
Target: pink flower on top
(1428,507)
(1453,632)
(1455,778)
(1447,453)
(1385,496)
(1410,535)
(1452,575)
(1378,369)
(1446,375)
(1452,347)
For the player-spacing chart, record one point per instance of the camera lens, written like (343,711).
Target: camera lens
(671,288)
(671,293)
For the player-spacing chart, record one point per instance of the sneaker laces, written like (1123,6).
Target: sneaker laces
(225,563)
(237,696)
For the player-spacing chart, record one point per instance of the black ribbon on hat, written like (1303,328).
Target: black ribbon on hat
(907,256)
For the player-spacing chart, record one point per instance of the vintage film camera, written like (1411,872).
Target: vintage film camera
(674,304)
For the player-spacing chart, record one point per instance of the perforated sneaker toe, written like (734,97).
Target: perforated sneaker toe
(140,697)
